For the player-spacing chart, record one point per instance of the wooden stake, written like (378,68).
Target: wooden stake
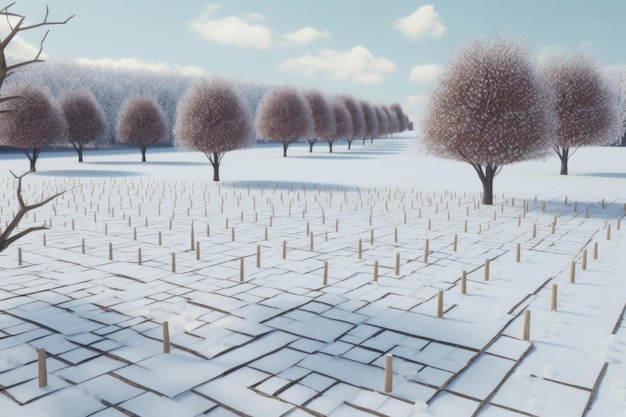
(82,246)
(241,269)
(360,251)
(44,235)
(166,337)
(325,280)
(110,251)
(173,262)
(553,299)
(454,243)
(595,250)
(518,252)
(608,232)
(395,235)
(534,230)
(486,274)
(265,233)
(42,368)
(440,304)
(388,373)
(583,264)
(371,236)
(397,269)
(311,246)
(426,251)
(526,331)
(138,256)
(375,277)
(19,256)
(258,256)
(572,272)
(464,282)
(284,249)
(160,238)
(197,251)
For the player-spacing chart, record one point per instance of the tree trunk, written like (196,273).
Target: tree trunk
(363,140)
(80,153)
(311,143)
(564,157)
(372,140)
(349,144)
(486,178)
(216,166)
(330,146)
(143,153)
(32,159)
(285,146)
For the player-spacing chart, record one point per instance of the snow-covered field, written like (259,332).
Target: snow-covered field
(275,339)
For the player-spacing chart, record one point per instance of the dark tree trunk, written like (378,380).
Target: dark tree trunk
(285,146)
(349,144)
(486,176)
(32,158)
(372,140)
(311,143)
(80,153)
(564,157)
(216,166)
(143,153)
(363,140)
(330,146)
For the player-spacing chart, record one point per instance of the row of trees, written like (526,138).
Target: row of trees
(207,118)
(493,106)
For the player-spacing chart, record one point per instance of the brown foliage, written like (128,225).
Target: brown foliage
(141,122)
(489,106)
(84,115)
(284,116)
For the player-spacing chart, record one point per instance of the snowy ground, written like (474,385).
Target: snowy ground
(274,340)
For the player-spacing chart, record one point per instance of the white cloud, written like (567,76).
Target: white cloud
(232,30)
(423,23)
(132,63)
(357,64)
(305,35)
(424,73)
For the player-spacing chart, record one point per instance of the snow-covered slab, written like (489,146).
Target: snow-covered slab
(310,325)
(90,369)
(482,378)
(150,404)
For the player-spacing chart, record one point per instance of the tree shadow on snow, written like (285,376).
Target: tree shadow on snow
(85,173)
(148,163)
(289,185)
(602,174)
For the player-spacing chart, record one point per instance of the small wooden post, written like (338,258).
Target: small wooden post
(82,246)
(192,242)
(325,279)
(232,234)
(608,232)
(284,249)
(372,237)
(397,268)
(554,225)
(464,282)
(160,238)
(44,235)
(583,263)
(311,245)
(197,251)
(595,250)
(138,256)
(534,230)
(553,299)
(454,243)
(265,234)
(426,251)
(166,337)
(388,373)
(526,332)
(360,250)
(241,269)
(617,226)
(586,212)
(258,256)
(440,304)
(395,235)
(518,252)
(134,233)
(572,272)
(486,274)
(110,251)
(19,256)
(375,277)
(42,368)
(173,262)
(465,227)
(337,224)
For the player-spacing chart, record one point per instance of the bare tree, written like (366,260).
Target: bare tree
(383,121)
(284,116)
(585,105)
(85,119)
(15,23)
(36,123)
(141,122)
(323,121)
(342,121)
(357,117)
(489,108)
(213,118)
(6,237)
(372,127)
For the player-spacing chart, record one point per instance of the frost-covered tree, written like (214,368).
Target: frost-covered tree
(357,117)
(34,124)
(585,104)
(342,122)
(372,127)
(85,119)
(214,119)
(616,75)
(394,124)
(284,116)
(489,108)
(384,124)
(141,122)
(400,116)
(323,121)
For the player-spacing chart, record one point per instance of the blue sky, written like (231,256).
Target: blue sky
(382,51)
